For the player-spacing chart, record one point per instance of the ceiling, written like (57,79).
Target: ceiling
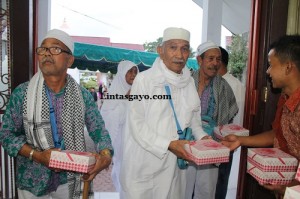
(235,15)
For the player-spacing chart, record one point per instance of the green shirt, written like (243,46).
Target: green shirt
(32,176)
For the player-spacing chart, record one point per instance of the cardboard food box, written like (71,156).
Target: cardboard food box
(76,161)
(279,177)
(271,165)
(223,130)
(272,159)
(292,192)
(297,177)
(207,152)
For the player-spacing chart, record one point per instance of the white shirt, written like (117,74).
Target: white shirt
(149,170)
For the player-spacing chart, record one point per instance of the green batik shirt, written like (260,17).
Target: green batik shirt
(32,176)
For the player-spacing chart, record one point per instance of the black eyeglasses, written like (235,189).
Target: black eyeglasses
(52,50)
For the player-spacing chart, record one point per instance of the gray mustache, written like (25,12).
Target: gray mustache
(47,60)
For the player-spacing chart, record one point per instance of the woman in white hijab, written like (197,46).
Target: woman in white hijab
(113,112)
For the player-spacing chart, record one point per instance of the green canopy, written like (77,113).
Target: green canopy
(105,58)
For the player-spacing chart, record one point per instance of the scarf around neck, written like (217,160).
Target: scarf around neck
(225,104)
(36,119)
(184,82)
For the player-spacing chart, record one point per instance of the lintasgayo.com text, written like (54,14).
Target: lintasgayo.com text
(135,97)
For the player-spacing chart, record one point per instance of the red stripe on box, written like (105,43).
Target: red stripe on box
(202,161)
(269,168)
(262,180)
(281,160)
(70,157)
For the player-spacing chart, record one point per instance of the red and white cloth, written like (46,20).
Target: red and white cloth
(76,161)
(292,192)
(227,129)
(271,159)
(207,152)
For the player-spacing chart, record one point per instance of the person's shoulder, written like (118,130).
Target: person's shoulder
(222,82)
(148,71)
(219,78)
(231,77)
(19,92)
(21,87)
(232,80)
(146,74)
(195,73)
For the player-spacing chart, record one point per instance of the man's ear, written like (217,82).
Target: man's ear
(159,51)
(199,60)
(289,67)
(70,60)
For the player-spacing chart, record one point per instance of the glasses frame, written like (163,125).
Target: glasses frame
(49,49)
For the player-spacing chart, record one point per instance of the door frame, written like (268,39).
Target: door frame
(268,23)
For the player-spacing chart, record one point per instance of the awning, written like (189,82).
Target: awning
(106,58)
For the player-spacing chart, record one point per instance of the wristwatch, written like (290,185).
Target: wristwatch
(105,152)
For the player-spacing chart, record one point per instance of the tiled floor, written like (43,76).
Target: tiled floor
(103,186)
(103,182)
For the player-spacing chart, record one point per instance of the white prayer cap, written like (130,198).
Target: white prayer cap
(176,33)
(61,36)
(202,48)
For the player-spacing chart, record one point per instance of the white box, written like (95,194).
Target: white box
(76,161)
(224,130)
(207,152)
(275,178)
(272,159)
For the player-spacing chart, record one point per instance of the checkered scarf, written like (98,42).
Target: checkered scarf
(225,104)
(38,127)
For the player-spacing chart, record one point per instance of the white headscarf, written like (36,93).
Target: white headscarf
(119,85)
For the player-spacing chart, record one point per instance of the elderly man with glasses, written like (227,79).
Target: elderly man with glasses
(49,113)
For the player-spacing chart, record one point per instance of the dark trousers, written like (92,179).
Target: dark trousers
(223,176)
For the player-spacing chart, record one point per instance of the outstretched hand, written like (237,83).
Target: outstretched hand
(231,141)
(177,147)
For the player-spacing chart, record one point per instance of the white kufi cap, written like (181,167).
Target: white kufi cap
(176,33)
(61,36)
(202,48)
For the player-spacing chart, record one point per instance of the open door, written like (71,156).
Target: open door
(268,23)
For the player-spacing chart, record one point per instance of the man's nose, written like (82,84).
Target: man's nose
(179,53)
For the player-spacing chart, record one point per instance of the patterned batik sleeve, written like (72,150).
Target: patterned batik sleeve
(12,135)
(95,124)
